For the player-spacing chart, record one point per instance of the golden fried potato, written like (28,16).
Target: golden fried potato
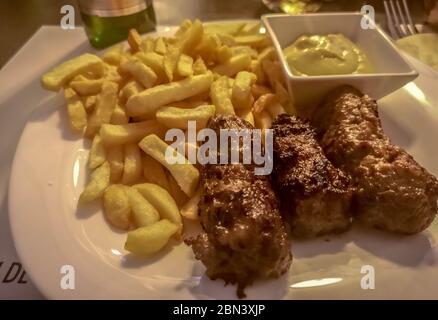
(263,101)
(119,115)
(97,153)
(160,46)
(100,180)
(170,61)
(175,190)
(117,206)
(154,61)
(106,102)
(190,209)
(113,55)
(273,71)
(89,102)
(227,28)
(87,87)
(275,109)
(191,38)
(143,212)
(115,158)
(76,110)
(149,100)
(134,40)
(60,75)
(162,201)
(255,41)
(154,172)
(130,88)
(132,167)
(263,121)
(148,240)
(244,49)
(185,66)
(199,66)
(147,44)
(141,72)
(185,174)
(173,117)
(258,90)
(113,135)
(241,94)
(246,114)
(231,67)
(221,96)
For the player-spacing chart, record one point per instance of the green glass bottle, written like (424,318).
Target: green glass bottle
(109,21)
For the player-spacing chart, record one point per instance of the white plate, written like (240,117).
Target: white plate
(49,173)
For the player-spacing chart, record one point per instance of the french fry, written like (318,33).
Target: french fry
(255,41)
(119,115)
(115,158)
(284,98)
(141,72)
(250,28)
(105,104)
(191,38)
(208,47)
(132,87)
(273,72)
(267,54)
(132,168)
(170,61)
(263,101)
(162,201)
(241,94)
(147,44)
(199,66)
(258,90)
(263,121)
(190,209)
(231,67)
(60,75)
(100,179)
(160,46)
(89,102)
(76,110)
(154,172)
(275,109)
(173,117)
(185,66)
(175,190)
(134,40)
(113,55)
(154,61)
(185,174)
(246,114)
(143,212)
(244,49)
(87,87)
(227,28)
(149,100)
(111,74)
(113,135)
(221,96)
(223,54)
(97,153)
(226,39)
(117,206)
(148,240)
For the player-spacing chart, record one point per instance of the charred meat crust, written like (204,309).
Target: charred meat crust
(244,237)
(314,196)
(393,192)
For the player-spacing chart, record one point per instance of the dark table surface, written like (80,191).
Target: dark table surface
(20,19)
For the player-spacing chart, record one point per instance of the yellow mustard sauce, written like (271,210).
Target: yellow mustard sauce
(331,54)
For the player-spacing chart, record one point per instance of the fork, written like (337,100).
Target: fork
(399,18)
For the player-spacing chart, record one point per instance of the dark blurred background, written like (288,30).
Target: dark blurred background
(19,19)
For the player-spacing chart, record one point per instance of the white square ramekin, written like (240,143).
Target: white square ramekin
(392,70)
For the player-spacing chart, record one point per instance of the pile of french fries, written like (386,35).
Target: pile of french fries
(126,100)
